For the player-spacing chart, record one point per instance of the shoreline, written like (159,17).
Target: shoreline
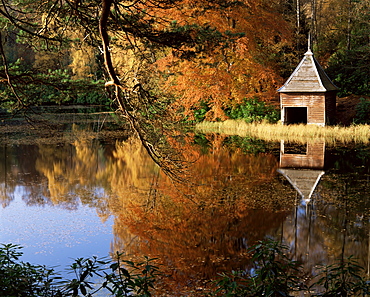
(294,133)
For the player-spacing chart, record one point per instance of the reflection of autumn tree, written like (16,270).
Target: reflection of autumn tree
(86,171)
(6,194)
(75,172)
(132,171)
(63,172)
(205,224)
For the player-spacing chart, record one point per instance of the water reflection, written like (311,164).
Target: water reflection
(36,213)
(230,199)
(206,224)
(303,168)
(330,221)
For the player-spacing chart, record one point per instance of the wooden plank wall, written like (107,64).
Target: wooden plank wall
(315,103)
(314,157)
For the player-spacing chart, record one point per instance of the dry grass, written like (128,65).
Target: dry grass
(294,133)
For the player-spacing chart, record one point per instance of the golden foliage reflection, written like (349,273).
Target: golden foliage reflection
(206,224)
(226,202)
(201,223)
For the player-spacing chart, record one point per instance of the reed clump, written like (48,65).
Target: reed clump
(295,133)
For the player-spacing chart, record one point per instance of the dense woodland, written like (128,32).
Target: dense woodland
(197,59)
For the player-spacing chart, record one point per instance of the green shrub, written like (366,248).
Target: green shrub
(118,278)
(342,279)
(253,110)
(200,113)
(272,273)
(22,278)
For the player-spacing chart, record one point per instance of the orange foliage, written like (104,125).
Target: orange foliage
(224,73)
(204,225)
(220,52)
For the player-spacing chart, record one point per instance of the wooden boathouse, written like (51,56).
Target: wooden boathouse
(308,96)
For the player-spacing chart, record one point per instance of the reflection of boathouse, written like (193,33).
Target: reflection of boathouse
(308,96)
(303,169)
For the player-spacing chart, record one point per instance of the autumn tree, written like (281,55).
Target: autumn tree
(158,55)
(232,63)
(230,41)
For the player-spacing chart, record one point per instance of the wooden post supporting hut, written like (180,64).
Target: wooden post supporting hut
(308,96)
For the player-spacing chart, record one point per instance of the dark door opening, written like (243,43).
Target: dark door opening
(295,115)
(295,148)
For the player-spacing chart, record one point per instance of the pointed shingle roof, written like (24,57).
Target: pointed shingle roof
(308,77)
(303,180)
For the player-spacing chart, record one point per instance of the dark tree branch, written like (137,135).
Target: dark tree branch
(8,77)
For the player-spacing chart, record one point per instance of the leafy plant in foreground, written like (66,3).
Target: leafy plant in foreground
(118,278)
(232,285)
(274,274)
(342,279)
(137,278)
(22,278)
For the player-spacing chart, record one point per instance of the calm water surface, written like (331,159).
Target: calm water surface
(44,212)
(89,197)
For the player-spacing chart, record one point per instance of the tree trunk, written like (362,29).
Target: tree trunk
(349,24)
(103,30)
(313,22)
(298,15)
